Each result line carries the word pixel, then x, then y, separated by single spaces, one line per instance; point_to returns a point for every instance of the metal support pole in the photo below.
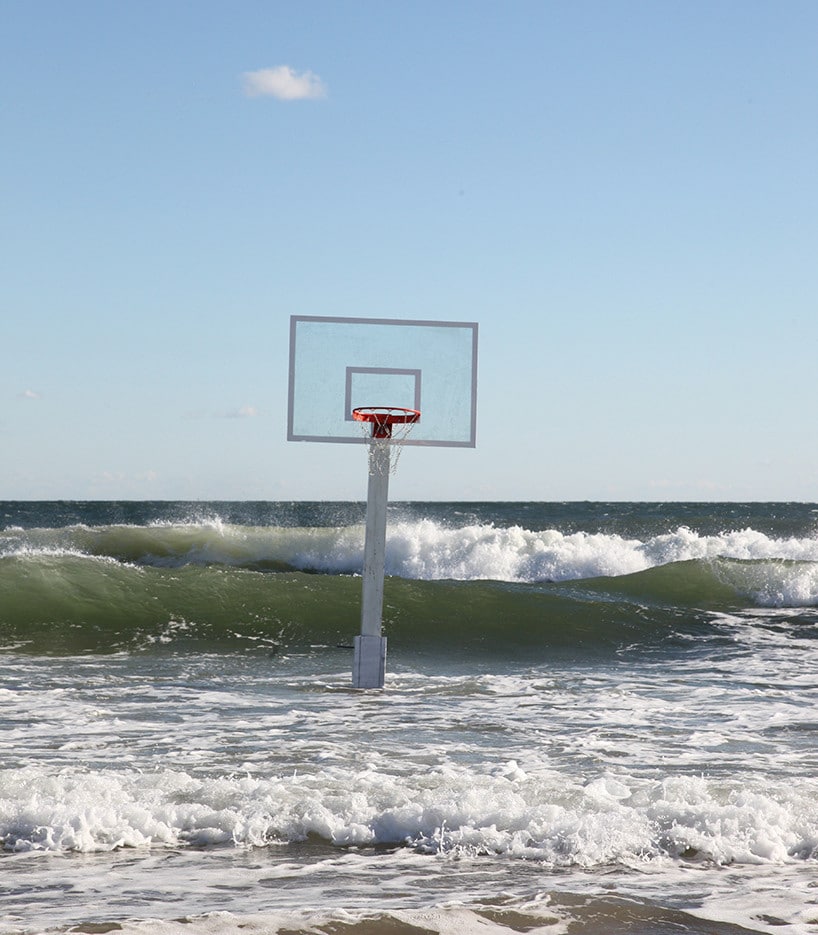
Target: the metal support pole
pixel 370 646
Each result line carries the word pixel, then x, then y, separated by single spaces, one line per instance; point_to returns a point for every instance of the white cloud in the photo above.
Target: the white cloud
pixel 243 412
pixel 283 83
pixel 29 394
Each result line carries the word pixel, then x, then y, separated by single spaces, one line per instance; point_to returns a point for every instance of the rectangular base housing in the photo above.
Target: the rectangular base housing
pixel 369 662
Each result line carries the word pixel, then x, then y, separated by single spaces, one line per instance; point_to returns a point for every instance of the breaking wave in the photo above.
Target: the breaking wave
pixel 79 588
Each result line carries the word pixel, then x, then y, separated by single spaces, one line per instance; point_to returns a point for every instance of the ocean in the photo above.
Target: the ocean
pixel 597 718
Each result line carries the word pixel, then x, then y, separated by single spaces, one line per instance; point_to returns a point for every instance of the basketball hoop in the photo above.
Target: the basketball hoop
pixel 386 428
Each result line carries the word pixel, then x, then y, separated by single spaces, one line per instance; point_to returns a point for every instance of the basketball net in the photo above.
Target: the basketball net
pixel 385 447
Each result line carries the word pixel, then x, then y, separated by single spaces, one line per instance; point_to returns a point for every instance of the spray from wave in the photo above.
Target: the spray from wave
pixel 79 588
pixel 420 550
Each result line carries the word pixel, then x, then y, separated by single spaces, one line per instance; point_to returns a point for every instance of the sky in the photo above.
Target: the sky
pixel 622 194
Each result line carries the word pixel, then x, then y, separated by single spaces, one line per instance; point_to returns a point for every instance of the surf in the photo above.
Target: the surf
pixel 417 548
pixel 64 602
pixel 450 810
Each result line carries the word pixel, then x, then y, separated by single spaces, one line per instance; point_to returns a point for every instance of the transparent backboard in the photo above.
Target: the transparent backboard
pixel 339 364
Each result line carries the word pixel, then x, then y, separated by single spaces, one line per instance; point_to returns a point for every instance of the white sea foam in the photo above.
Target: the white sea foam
pixel 448 920
pixel 447 810
pixel 770 572
pixel 427 550
pixel 773 583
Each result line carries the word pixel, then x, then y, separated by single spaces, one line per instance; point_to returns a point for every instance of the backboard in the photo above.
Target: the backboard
pixel 338 364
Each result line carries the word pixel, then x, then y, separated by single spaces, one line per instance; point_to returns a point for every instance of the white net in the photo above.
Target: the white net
pixel 385 437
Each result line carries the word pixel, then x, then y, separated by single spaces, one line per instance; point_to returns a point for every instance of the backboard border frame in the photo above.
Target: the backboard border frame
pixel 471 442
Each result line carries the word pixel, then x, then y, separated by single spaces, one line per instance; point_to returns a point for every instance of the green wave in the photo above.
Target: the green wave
pixel 77 603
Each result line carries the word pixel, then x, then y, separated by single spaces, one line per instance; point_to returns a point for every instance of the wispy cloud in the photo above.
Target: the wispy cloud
pixel 29 394
pixel 283 83
pixel 243 412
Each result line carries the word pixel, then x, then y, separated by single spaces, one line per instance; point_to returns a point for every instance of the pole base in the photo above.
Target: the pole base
pixel 369 662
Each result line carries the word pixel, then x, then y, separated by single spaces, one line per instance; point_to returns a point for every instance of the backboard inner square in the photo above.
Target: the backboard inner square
pixel 400 387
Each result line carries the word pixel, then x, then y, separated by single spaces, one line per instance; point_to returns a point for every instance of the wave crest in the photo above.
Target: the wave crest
pixel 420 550
pixel 447 810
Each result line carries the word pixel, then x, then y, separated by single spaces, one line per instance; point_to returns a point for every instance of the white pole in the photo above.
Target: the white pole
pixel 370 646
pixel 375 544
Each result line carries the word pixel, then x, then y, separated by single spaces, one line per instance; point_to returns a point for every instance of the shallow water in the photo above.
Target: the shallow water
pixel 641 758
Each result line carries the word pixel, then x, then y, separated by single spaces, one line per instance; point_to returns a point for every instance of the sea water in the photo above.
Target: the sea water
pixel 597 718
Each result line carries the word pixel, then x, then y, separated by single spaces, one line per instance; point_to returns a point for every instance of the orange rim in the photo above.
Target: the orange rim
pixel 384 417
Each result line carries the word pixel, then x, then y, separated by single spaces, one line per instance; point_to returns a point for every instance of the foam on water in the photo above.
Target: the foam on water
pixel 450 810
pixel 427 550
pixel 658 776
pixel 421 549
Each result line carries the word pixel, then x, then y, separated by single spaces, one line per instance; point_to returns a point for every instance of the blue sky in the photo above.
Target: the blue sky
pixel 622 194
